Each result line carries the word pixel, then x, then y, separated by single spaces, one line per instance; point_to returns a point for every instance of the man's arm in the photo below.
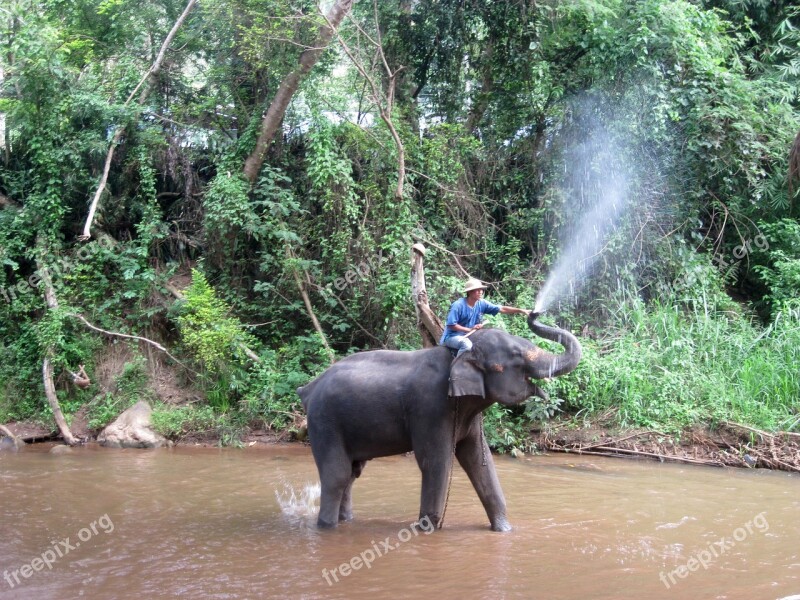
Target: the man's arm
pixel 452 320
pixel 510 310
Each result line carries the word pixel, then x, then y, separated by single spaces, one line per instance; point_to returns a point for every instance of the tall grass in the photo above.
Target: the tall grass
pixel 673 364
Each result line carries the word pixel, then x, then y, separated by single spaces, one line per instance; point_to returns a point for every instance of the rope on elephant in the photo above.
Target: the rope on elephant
pixel 483 442
pixel 452 460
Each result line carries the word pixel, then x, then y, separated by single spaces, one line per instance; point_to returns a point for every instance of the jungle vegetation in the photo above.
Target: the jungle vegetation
pixel 256 174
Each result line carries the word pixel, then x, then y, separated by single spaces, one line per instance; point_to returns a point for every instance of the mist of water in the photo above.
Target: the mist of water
pixel 299 504
pixel 598 189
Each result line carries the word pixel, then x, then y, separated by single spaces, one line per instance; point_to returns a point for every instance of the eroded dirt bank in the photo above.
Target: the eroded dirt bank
pixel 729 445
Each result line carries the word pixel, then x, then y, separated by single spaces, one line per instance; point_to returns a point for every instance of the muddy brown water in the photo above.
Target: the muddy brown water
pixel 208 523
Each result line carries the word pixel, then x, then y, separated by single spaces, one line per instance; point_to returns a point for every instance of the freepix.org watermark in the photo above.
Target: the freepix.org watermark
pixel 57 268
pixel 368 556
pixel 58 551
pixel 723 262
pixel 716 549
pixel 369 267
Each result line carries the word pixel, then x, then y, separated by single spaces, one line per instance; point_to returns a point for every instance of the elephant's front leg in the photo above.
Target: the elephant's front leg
pixel 471 452
pixel 435 462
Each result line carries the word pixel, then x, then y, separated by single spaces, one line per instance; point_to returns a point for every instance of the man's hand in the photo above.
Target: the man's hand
pixel 478 326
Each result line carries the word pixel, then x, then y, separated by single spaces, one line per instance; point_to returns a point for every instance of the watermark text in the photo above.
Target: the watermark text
pixel 706 557
pixel 58 551
pixel 368 556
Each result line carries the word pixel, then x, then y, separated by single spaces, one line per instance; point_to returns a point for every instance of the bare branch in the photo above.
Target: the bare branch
pixel 147 81
pixel 307 301
pixel 322 290
pixel 385 112
pixel 131 337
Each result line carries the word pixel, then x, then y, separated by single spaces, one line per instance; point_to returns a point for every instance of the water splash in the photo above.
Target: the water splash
pixel 300 504
pixel 600 191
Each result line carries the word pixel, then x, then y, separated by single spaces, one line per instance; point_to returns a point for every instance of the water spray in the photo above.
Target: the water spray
pixel 601 185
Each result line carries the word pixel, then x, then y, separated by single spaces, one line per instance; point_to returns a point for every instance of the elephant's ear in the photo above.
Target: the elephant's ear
pixel 466 378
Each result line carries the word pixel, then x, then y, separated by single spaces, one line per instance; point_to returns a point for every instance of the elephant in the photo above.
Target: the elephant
pixel 386 402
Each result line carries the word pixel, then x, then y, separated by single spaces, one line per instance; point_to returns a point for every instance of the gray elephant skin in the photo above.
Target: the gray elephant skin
pixel 384 402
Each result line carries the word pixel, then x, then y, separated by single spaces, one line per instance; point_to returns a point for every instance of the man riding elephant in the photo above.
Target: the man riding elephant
pixel 466 316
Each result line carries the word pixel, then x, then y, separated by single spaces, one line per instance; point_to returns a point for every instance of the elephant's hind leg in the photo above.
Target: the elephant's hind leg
pixel 335 472
pixel 346 507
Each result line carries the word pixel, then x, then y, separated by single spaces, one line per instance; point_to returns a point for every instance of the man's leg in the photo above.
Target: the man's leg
pixel 460 343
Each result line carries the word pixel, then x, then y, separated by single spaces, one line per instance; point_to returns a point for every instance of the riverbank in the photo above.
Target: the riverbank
pixel 729 445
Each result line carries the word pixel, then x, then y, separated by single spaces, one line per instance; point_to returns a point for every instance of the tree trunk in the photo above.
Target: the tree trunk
pixel 429 326
pixel 277 109
pixel 487 86
pixel 18 441
pixel 47 366
pixel 52 399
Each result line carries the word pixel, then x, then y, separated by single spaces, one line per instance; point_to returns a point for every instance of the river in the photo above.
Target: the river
pixel 239 523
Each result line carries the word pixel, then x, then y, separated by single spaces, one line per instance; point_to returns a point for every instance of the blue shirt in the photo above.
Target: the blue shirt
pixel 461 314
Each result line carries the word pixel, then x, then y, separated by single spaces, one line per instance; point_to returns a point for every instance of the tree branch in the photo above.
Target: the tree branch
pixel 385 112
pixel 324 291
pixel 307 301
pixel 7 432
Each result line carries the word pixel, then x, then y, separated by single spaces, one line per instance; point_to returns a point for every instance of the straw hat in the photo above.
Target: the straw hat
pixel 473 284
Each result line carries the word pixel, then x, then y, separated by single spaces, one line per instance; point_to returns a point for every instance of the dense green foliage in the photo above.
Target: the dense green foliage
pixel 514 118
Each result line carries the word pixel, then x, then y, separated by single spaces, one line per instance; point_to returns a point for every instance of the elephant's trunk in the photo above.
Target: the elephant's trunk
pixel 562 363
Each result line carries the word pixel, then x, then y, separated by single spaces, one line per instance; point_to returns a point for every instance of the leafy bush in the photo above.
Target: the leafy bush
pixel 506 429
pixel 780 262
pixel 271 397
pixel 206 329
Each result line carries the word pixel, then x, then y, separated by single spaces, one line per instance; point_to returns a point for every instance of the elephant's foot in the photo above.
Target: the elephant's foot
pixel 501 524
pixel 430 522
pixel 322 524
pixel 345 516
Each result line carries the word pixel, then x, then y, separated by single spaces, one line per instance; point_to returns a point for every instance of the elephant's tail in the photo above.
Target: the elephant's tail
pixel 306 392
pixel 303 399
